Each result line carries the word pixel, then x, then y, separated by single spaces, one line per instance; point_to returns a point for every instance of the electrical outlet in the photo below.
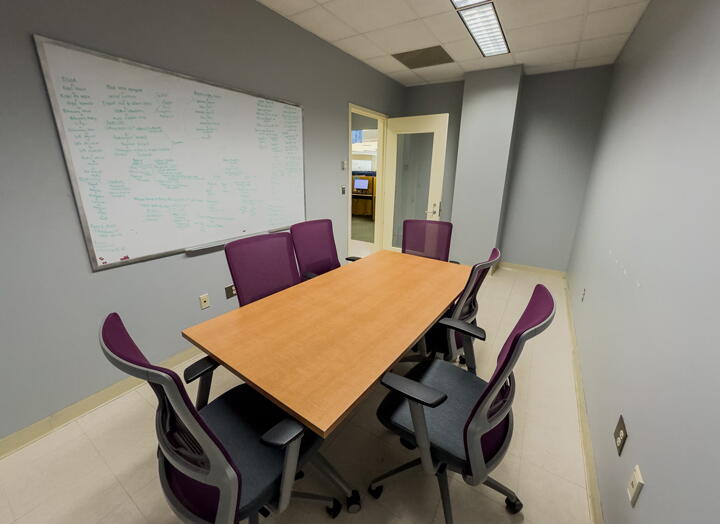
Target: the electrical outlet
pixel 620 435
pixel 204 301
pixel 635 486
pixel 230 291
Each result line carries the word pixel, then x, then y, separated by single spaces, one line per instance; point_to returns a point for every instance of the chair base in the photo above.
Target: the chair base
pixel 352 496
pixel 512 503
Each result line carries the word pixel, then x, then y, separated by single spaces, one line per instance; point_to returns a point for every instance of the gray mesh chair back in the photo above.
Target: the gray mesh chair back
pixel 262 265
pixel 427 238
pixel 466 307
pixel 197 475
pixel 489 426
pixel 315 247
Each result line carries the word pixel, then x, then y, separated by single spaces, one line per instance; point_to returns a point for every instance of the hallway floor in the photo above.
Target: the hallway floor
pixel 101 468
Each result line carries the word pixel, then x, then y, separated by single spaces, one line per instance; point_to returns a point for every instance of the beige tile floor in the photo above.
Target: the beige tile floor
pixel 102 466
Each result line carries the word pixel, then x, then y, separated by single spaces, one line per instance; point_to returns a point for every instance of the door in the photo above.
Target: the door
pixel 414 169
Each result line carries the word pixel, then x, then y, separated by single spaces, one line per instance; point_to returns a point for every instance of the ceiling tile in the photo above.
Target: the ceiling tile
pixel 288 7
pixel 368 15
pixel 407 78
pixel 440 73
pixel 360 47
pixel 548 55
pixel 386 64
pixel 609 46
pixel 491 62
pixel 521 13
pixel 323 23
pixel 465 49
pixel 403 37
pixel 598 5
pixel 613 21
pixel 564 31
pixel 425 8
pixel 594 62
pixel 447 27
pixel 551 68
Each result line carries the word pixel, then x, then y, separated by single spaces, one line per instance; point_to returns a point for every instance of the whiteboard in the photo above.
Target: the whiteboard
pixel 160 162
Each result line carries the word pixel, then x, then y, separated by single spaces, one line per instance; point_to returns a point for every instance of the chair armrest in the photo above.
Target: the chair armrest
pixel 352 259
pixel 197 369
pixel 308 275
pixel 453 261
pixel 283 433
pixel 463 327
pixel 413 390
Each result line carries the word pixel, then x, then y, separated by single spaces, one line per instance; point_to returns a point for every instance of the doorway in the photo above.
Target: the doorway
pixel 397 167
pixel 367 142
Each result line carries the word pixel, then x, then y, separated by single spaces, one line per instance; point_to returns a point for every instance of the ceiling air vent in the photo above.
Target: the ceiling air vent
pixel 429 56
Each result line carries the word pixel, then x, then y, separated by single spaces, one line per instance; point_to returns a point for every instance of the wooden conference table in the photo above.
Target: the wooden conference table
pixel 316 348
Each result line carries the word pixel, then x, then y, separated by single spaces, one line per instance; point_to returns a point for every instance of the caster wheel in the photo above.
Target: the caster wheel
pixel 353 502
pixel 376 491
pixel 299 475
pixel 462 360
pixel 335 509
pixel 513 506
pixel 264 512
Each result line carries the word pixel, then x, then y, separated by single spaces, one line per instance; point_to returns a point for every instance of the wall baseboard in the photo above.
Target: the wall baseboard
pixel 39 429
pixel 554 272
pixel 592 487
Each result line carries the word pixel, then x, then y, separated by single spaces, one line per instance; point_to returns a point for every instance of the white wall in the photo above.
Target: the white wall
pixel 559 117
pixel 486 131
pixel 52 304
pixel 646 252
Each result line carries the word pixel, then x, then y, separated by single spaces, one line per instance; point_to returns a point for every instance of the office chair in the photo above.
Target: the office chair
pixel 441 340
pixel 427 238
pixel 262 265
pixel 457 420
pixel 314 247
pixel 227 461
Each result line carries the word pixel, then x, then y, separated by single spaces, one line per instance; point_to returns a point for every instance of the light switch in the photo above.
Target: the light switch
pixel 635 486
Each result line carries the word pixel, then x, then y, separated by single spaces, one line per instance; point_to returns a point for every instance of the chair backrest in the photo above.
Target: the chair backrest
pixel 427 238
pixel 490 422
pixel 198 476
pixel 315 246
pixel 466 306
pixel 262 265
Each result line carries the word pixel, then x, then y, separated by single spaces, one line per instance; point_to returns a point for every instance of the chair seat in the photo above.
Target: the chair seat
pixel 239 418
pixel 446 423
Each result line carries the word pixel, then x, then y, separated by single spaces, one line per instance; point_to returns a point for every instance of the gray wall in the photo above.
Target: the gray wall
pixel 486 132
pixel 646 252
pixel 559 117
pixel 52 304
pixel 441 98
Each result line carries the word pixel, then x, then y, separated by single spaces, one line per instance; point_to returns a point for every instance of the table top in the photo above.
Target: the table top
pixel 316 348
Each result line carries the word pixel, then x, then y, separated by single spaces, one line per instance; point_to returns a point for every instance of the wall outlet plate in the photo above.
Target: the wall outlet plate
pixel 204 301
pixel 230 291
pixel 635 485
pixel 620 435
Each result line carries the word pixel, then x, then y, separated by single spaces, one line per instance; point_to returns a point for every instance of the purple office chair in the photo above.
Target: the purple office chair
pixel 262 265
pixel 314 247
pixel 229 460
pixel 427 238
pixel 457 420
pixel 439 340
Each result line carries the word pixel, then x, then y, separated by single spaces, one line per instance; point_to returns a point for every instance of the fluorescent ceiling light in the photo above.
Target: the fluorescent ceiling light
pixel 484 26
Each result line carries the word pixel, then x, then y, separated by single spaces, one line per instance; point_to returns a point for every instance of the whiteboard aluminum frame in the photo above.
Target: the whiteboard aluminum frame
pixel 40 42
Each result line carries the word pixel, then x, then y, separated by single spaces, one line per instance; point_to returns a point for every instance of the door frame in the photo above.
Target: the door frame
pixel 379 175
pixel 436 124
